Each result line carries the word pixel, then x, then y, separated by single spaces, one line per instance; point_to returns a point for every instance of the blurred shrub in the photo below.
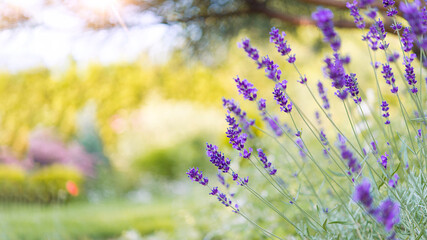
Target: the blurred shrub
pixel 170 162
pixel 45 185
pixel 12 180
pixel 49 184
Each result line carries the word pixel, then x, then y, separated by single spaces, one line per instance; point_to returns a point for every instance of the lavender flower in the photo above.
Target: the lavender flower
pixel 376 33
pixel 354 11
pixel 409 72
pixel 252 52
pixel 346 154
pixel 279 41
pixel 374 147
pixel 393 181
pixel 273 123
pixel 362 194
pixel 281 99
pixel 393 57
pixel 217 158
pixel 291 58
pixel 388 214
pixel 246 89
pixel 388 3
pixel 246 153
pixel 396 26
pixel 234 133
pixel 335 71
pixel 392 12
pixel 351 84
pixel 407 39
pixel 365 3
pixel 372 13
pixel 197 176
pixel 301 148
pixel 267 164
pixel 271 69
pixel 386 114
pixel 231 106
pixel 389 78
pixel 221 179
pixel 303 80
pixel 262 105
pixel 322 93
pixel 413 16
pixel 383 160
pixel 323 138
pixel 323 18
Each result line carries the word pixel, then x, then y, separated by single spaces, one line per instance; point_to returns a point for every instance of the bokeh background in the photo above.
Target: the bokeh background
pixel 105 104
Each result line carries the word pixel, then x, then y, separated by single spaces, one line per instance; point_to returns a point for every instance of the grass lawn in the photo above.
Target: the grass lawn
pixel 81 220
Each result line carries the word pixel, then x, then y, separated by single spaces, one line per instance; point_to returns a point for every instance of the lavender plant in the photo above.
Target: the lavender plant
pixel 370 173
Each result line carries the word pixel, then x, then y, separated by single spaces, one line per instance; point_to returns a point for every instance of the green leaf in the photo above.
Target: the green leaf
pixel 324 224
pixel 340 222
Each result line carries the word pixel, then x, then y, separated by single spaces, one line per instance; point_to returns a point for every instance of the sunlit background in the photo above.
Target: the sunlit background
pixel 106 103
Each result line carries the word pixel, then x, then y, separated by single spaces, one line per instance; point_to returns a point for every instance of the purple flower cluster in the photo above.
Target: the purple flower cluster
pixel 392 11
pixel 217 158
pixel 386 114
pixel 393 57
pixel 279 41
pixel 322 93
pixel 231 106
pixel 407 39
pixel 389 78
pixel 354 11
pixel 413 16
pixel 301 148
pixel 267 164
pixel 365 3
pixel 362 194
pixel 252 52
pixel 246 89
pixel 383 160
pixel 271 69
pixel 282 99
pixel 197 176
pixel 409 72
pixel 376 33
pixel 374 147
pixel 346 154
pixel 223 199
pixel 234 133
pixel 372 13
pixel 273 123
pixel 388 3
pixel 323 18
pixel 352 86
pixel 393 181
pixel 335 71
pixel 387 213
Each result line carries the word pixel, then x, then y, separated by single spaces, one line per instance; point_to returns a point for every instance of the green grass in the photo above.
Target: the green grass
pixel 83 220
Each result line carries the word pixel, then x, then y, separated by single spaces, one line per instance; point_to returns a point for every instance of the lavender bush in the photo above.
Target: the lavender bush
pixel 364 179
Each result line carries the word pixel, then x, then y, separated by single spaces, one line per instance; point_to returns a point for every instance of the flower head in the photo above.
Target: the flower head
pixel 197 176
pixel 388 214
pixel 354 11
pixel 323 18
pixel 362 193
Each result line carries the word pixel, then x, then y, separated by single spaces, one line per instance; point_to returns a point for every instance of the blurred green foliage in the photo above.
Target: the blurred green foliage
pixel 40 98
pixel 45 185
pixel 172 162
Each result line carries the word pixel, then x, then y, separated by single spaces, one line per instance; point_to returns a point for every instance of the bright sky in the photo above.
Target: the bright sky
pixel 57 34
